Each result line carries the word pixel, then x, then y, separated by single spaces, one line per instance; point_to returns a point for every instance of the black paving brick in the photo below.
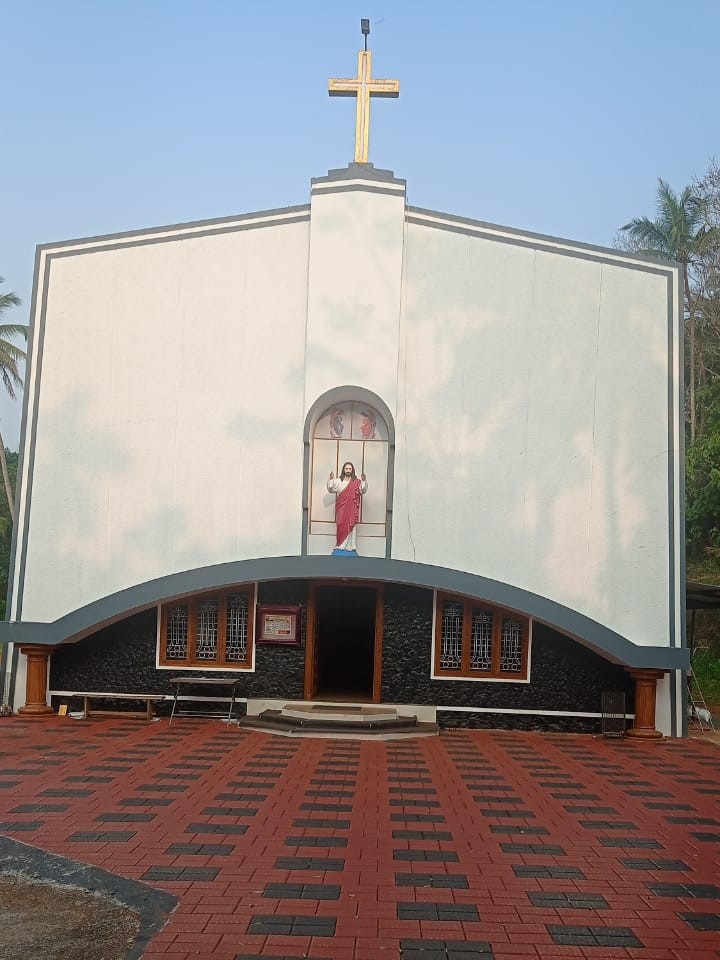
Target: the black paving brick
pixel 572 809
pixel 410 802
pixel 444 912
pixel 482 799
pixel 548 873
pixel 276 924
pixel 555 784
pixel 302 891
pixel 330 824
pixel 340 794
pixel 113 817
pixel 417 818
pixel 705 891
pixel 608 825
pixel 88 779
pixel 161 788
pixel 546 849
pixel 434 856
pixel 636 842
pixel 227 829
pixel 694 821
pixel 581 936
pixel 452 881
pixel 20 826
pixel 413 790
pixel 328 807
pixel 57 792
pixel 229 812
pixel 574 796
pixel 102 836
pixel 569 901
pixel 316 842
pixel 516 828
pixel 707 837
pixel 648 864
pixel 40 808
pixel 239 797
pixel 445 950
pixel 181 873
pixel 648 793
pixel 702 921
pixel 201 849
pixel 422 835
pixel 145 802
pixel 509 814
pixel 309 863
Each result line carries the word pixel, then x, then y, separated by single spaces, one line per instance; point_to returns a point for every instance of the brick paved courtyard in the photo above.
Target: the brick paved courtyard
pixel 474 845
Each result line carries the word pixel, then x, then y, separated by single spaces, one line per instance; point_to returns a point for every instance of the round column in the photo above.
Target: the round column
pixel 645 697
pixel 36 679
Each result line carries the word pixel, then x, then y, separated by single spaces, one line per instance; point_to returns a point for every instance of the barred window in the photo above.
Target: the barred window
pixel 210 631
pixel 477 640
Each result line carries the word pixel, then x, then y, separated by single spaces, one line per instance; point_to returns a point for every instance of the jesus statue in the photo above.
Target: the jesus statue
pixel 347 506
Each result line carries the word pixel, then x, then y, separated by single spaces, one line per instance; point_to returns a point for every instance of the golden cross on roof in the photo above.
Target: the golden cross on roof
pixel 363 87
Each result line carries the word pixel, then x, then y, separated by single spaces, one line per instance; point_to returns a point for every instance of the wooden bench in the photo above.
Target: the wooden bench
pixel 149 698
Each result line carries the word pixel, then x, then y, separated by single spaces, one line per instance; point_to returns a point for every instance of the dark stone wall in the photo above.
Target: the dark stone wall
pixel 121 658
pixel 564 674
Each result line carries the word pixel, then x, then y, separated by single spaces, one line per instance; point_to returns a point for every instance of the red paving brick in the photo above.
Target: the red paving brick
pixel 525 813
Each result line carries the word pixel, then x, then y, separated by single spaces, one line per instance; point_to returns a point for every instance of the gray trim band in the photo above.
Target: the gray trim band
pixel 191 225
pixel 101 612
pixel 415 213
pixel 354 187
pixel 547 245
pixel 175 237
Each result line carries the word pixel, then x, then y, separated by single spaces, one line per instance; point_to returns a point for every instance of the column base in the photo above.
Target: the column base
pixel 35 710
pixel 638 733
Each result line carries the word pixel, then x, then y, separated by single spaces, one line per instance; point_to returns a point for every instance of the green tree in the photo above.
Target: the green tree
pixel 11 357
pixel 681 233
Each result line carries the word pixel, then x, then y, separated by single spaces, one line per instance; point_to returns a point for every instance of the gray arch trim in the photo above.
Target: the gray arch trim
pixel 347 394
pixel 589 632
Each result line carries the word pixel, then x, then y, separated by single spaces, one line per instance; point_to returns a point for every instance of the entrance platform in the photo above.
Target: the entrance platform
pixel 485 845
pixel 340 720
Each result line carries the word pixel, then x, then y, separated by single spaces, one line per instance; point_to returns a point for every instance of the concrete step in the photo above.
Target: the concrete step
pixel 339 720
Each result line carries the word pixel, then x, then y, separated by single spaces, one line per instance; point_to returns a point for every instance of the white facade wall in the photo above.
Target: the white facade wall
pixel 533 426
pixel 169 414
pixel 529 383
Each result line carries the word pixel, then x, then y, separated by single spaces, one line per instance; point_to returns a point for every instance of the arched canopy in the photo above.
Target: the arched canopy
pixel 589 632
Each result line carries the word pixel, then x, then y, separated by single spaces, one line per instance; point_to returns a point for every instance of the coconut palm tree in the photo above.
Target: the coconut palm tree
pixel 11 356
pixel 678 233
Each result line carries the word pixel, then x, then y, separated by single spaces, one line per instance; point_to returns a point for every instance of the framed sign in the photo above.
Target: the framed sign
pixel 278 624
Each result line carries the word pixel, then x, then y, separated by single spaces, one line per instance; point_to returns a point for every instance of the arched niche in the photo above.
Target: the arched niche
pixel 348 423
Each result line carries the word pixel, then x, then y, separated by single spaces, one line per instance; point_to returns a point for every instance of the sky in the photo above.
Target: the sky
pixel 555 117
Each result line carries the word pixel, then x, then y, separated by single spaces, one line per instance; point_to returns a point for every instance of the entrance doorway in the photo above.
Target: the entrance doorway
pixel 342 648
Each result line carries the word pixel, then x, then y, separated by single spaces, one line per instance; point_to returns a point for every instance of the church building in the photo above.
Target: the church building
pixel 507 544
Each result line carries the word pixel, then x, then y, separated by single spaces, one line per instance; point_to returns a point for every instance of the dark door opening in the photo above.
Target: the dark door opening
pixel 344 642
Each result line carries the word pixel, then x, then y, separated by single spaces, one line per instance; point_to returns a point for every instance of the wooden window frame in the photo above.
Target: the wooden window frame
pixel 499 613
pixel 192 602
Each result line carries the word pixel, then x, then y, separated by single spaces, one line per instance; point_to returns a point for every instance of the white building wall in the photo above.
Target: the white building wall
pixel 170 414
pixel 533 425
pixel 529 389
pixel 354 290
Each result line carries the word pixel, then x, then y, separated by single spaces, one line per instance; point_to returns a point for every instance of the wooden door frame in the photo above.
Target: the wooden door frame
pixel 311 630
